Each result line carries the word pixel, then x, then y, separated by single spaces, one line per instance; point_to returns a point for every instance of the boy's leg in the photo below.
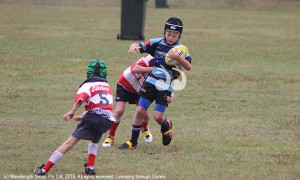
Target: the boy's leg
pixel 99 125
pixel 145 129
pixel 140 114
pixel 145 119
pixel 160 118
pixel 147 96
pixel 119 111
pixel 166 126
pixel 57 155
pixel 92 155
pixel 137 124
pixel 68 144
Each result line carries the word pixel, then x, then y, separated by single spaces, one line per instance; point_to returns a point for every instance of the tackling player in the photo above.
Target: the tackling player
pixel 128 86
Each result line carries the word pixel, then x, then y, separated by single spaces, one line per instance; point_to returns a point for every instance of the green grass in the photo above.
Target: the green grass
pixel 237 118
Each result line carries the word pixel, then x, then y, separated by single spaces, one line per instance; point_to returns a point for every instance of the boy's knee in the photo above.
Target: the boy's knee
pixel 68 144
pixel 159 117
pixel 140 110
pixel 118 113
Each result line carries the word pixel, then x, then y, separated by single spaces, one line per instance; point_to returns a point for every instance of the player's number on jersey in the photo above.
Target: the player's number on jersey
pixel 103 99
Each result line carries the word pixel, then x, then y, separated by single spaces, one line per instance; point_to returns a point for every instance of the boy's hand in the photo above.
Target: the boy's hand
pixel 134 48
pixel 77 118
pixel 68 115
pixel 173 53
pixel 170 98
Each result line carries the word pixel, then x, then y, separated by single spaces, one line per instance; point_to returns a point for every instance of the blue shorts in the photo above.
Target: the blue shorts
pixel 149 93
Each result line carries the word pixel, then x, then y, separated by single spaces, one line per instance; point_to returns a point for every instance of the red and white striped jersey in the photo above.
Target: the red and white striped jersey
pixel 134 81
pixel 96 95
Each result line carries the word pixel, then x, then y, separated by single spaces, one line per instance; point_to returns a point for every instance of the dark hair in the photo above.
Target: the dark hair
pixel 174 24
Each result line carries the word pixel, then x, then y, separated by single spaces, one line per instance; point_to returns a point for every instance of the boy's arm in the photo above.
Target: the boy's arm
pixel 134 48
pixel 141 69
pixel 69 115
pixel 148 46
pixel 77 118
pixel 182 61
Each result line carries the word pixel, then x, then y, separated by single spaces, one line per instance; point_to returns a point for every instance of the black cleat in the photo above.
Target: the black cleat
pixel 127 145
pixel 89 171
pixel 167 136
pixel 40 171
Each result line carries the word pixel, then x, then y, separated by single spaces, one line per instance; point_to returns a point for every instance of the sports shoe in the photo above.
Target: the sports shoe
pixel 109 141
pixel 40 171
pixel 147 135
pixel 167 136
pixel 89 171
pixel 127 145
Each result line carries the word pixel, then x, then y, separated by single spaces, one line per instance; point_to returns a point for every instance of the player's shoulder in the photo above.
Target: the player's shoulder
pixel 94 81
pixel 147 58
pixel 145 61
pixel 156 40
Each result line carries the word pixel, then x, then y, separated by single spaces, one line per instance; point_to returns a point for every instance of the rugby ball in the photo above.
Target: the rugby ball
pixel 182 51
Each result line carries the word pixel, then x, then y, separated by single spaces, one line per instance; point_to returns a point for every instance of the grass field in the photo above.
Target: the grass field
pixel 237 118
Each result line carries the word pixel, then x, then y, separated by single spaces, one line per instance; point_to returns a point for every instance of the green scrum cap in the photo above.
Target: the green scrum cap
pixel 96 67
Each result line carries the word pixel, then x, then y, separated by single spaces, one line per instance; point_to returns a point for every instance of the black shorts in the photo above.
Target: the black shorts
pixel 124 95
pixel 91 127
pixel 150 92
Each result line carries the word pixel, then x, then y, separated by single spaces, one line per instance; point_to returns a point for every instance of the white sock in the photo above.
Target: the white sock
pixel 93 148
pixel 118 120
pixel 56 156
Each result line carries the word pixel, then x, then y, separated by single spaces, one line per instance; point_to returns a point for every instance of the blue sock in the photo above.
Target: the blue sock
pixel 135 134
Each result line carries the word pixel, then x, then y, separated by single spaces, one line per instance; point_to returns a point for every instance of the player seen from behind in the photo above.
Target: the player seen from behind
pixel 96 96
